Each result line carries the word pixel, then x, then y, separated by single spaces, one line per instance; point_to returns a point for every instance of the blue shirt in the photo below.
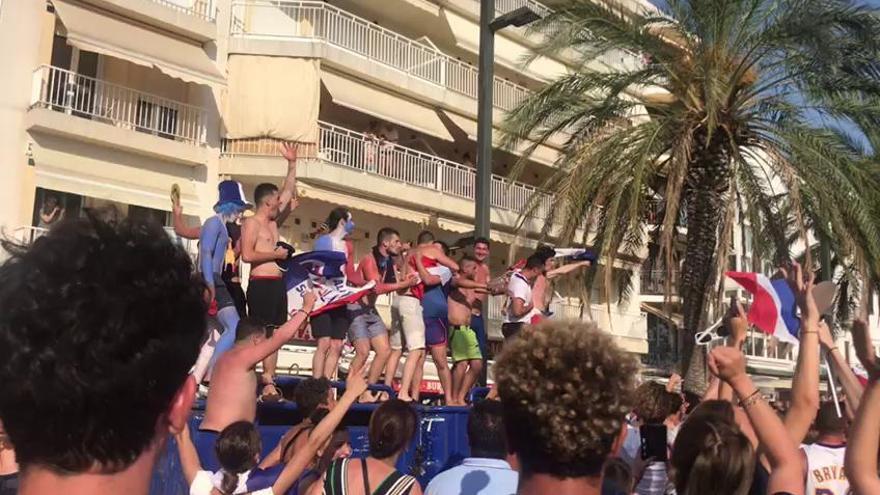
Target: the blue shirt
pixel 434 303
pixel 476 476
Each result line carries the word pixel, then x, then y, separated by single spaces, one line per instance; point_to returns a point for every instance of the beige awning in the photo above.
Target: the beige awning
pixel 371 100
pixel 468 127
pixel 109 34
pixel 310 191
pixel 277 97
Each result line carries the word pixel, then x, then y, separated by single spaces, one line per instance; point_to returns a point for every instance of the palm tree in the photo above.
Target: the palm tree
pixel 734 102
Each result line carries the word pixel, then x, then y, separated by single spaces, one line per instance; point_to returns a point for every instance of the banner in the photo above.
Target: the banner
pixel 325 272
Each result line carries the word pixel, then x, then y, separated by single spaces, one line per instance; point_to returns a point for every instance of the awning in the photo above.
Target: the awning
pixel 467 127
pixel 109 34
pixel 261 101
pixel 674 318
pixel 371 100
pixel 308 191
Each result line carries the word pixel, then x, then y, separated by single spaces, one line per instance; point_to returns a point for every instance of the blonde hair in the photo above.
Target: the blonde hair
pixel 566 388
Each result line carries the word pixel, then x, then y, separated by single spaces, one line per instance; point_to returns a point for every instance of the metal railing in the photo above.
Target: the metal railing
pixel 75 94
pixel 27 234
pixel 203 9
pixel 312 19
pixel 359 151
pixel 761 345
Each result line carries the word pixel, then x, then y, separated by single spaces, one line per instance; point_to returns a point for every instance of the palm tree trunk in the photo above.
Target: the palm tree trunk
pixel 707 181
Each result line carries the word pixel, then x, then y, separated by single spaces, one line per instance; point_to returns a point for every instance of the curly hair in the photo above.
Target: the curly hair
pixel 653 403
pixel 566 388
pixel 100 324
pixel 310 394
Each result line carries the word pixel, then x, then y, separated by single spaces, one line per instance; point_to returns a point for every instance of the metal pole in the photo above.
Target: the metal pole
pixel 484 120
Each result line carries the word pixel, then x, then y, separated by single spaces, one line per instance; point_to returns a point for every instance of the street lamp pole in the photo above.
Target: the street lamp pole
pixel 489 24
pixel 484 119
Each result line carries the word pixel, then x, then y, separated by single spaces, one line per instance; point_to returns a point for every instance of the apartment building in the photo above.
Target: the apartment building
pixel 113 101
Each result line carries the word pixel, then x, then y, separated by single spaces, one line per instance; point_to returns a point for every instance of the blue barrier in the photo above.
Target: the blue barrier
pixel 440 442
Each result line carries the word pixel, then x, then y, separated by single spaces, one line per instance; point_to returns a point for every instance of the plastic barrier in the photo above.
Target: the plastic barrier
pixel 440 442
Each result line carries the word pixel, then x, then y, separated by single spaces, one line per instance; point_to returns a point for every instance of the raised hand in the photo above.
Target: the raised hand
pixel 802 286
pixel 865 348
pixel 289 151
pixel 356 382
pixel 739 324
pixel 825 337
pixel 727 363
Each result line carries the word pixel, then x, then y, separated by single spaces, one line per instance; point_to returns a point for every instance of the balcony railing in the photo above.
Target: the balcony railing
pixel 761 345
pixel 310 19
pixel 86 97
pixel 352 149
pixel 203 9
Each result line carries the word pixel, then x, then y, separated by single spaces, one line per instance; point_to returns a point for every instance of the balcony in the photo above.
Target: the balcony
pixel 192 19
pixel 118 116
pixel 366 154
pixel 312 20
pixel 203 9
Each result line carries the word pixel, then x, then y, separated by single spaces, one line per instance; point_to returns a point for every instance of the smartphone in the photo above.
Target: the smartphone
pixel 724 330
pixel 654 442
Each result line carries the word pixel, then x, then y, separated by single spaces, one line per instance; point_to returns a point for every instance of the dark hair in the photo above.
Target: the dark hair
pixel 248 327
pixel 827 420
pixel 237 448
pixel 262 191
pixel 565 387
pixel 717 408
pixel 425 237
pixel 544 252
pixel 336 214
pixel 482 240
pixel 711 455
pixel 309 394
pixel 617 477
pixel 106 319
pixel 653 403
pixel 535 262
pixel 392 426
pixel 384 234
pixel 485 429
pixel 339 438
pixel 467 257
pixel 443 246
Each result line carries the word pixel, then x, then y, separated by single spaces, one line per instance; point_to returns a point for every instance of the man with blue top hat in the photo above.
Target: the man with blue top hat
pixel 213 243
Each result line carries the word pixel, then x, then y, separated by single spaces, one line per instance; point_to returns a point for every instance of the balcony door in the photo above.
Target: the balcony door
pixel 72 89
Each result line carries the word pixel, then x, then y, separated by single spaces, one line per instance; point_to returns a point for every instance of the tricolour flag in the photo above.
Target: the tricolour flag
pixel 773 305
pixel 324 271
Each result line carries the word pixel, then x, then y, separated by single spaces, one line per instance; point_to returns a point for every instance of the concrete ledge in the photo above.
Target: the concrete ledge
pixel 86 130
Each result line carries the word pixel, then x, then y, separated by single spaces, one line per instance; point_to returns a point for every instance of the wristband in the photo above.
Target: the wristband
pixel 751 399
pixel 295 311
pixel 833 349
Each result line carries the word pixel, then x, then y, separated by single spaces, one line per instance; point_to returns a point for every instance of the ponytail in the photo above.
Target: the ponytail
pixel 229 483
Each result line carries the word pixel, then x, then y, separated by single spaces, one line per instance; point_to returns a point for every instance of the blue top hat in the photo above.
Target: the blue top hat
pixel 232 192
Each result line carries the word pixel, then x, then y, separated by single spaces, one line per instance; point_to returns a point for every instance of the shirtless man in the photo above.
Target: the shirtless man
pixel 367 328
pixel 407 316
pixel 467 357
pixel 266 295
pixel 481 255
pixel 231 397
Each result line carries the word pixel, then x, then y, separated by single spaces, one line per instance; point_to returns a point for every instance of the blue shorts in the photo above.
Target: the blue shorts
pixel 365 324
pixel 436 331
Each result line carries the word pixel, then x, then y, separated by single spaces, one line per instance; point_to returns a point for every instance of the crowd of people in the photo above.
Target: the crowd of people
pixel 105 336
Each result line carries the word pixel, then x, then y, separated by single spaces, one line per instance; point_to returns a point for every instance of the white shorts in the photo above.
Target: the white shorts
pixel 406 319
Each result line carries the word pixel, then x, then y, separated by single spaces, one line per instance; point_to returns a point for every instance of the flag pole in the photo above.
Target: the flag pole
pixel 831 385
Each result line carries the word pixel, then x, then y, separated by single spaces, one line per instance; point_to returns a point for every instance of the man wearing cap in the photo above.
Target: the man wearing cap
pixel 213 242
pixel 266 295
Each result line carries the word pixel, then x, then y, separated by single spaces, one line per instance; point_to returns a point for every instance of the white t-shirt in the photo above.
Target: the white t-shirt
pixel 206 481
pixel 518 288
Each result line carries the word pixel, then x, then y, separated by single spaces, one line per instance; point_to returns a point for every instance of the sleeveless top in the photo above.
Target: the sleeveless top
pixel 396 483
pixel 825 473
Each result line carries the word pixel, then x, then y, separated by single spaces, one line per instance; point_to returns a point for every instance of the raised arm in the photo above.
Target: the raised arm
pixel 738 325
pixel 447 261
pixel 787 470
pixel 851 387
pixel 189 457
pixel 287 196
pixel 180 226
pixel 254 354
pixel 864 438
pixel 249 253
pixel 355 385
pixel 566 269
pixel 805 384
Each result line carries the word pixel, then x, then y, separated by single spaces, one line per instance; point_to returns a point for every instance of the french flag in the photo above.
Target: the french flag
pixel 773 308
pixel 324 271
